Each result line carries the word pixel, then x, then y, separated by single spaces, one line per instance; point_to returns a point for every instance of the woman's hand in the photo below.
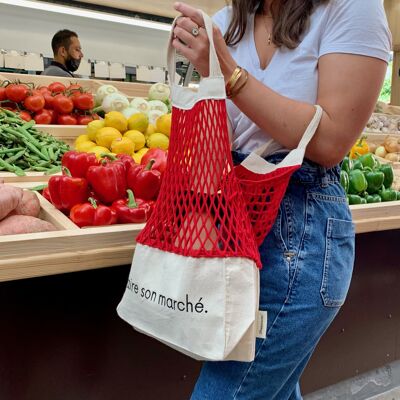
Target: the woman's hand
pixel 196 47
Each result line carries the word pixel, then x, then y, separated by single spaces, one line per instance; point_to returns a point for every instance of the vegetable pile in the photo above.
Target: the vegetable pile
pixel 365 180
pixel 24 148
pixel 111 190
pixel 19 212
pixel 388 149
pixel 53 104
pixel 133 136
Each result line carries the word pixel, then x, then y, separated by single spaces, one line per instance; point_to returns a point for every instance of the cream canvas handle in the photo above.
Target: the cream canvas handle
pixel 262 151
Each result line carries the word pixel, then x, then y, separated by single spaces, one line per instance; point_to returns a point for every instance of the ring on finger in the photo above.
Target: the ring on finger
pixel 195 31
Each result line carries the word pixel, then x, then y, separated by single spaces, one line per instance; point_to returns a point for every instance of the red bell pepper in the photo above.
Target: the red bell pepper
pixel 78 162
pixel 66 191
pixel 144 181
pixel 91 214
pixel 108 180
pixel 46 194
pixel 160 157
pixel 127 160
pixel 131 210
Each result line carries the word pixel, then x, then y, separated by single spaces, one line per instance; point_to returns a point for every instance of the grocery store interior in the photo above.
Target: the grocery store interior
pixel 64 265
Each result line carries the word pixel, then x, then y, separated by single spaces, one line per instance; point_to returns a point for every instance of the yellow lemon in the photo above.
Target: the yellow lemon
pixel 136 137
pixel 117 120
pixel 105 136
pixel 82 138
pixel 137 157
pixel 163 124
pixel 98 150
pixel 143 151
pixel 150 130
pixel 93 127
pixel 138 122
pixel 158 140
pixel 85 146
pixel 123 145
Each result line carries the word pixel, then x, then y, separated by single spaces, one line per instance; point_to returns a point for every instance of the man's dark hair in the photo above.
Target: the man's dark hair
pixel 62 39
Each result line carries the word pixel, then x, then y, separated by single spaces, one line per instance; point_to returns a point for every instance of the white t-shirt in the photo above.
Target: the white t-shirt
pixel 341 26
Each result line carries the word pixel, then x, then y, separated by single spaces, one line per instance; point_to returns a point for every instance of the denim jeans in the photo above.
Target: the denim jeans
pixel 307 266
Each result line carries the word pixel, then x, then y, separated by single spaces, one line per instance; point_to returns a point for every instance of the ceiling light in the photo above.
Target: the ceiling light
pixel 79 12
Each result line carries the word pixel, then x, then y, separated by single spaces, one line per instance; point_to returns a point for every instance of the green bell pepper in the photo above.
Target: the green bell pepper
pixel 354 199
pixel 368 160
pixel 344 180
pixel 374 179
pixel 347 164
pixel 388 195
pixel 398 195
pixel 373 198
pixel 363 200
pixel 357 182
pixel 389 176
pixel 357 164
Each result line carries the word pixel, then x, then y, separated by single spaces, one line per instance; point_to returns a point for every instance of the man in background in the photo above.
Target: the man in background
pixel 67 54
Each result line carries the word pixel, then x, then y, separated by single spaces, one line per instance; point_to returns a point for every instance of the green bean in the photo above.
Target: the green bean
pixel 45 152
pixel 53 170
pixel 39 188
pixel 39 168
pixel 36 151
pixel 15 157
pixel 51 154
pixel 6 166
pixel 18 171
pixel 8 151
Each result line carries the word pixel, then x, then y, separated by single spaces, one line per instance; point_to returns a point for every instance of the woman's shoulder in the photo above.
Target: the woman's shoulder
pixel 222 18
pixel 354 8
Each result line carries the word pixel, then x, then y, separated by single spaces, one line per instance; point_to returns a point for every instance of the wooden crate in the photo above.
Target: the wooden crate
pixel 66 250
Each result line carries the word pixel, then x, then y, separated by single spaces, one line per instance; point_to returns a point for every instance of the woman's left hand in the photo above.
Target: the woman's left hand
pixel 191 41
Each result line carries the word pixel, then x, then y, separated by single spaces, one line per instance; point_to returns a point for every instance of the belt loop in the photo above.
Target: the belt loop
pixel 324 177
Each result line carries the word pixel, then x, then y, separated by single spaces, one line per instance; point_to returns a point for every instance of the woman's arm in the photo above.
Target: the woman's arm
pixel 348 88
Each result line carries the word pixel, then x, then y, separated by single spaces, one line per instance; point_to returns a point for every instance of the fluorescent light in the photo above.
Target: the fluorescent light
pixel 79 12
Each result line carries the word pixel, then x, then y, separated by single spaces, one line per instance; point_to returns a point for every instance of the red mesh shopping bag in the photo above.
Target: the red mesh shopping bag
pixel 264 184
pixel 194 281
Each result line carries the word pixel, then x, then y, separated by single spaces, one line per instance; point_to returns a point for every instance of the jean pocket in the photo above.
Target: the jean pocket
pixel 338 262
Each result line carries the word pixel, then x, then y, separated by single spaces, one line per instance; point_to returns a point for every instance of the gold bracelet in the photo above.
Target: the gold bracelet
pixel 243 84
pixel 237 73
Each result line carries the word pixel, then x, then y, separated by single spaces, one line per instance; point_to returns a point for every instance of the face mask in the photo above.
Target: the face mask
pixel 72 64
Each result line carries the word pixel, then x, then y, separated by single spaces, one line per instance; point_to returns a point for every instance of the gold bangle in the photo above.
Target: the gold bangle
pixel 232 80
pixel 241 86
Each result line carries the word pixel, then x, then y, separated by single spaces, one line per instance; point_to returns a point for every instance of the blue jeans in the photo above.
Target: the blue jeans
pixel 307 266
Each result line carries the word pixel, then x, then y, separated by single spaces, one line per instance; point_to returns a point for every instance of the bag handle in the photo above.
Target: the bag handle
pixel 214 67
pixel 307 136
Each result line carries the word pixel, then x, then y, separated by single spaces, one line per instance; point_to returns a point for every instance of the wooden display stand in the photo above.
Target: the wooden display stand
pixel 130 89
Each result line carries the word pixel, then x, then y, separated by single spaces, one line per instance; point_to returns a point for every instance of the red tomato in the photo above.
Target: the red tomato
pixel 85 119
pixel 44 89
pixel 49 99
pixel 67 120
pixel 63 104
pixel 42 117
pixel 83 101
pixel 3 95
pixel 57 87
pixel 16 92
pixel 34 103
pixel 25 116
pixel 53 115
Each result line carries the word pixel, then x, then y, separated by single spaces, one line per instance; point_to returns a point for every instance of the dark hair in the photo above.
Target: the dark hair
pixel 291 19
pixel 62 39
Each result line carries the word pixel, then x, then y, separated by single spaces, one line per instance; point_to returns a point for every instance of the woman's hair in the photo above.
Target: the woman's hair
pixel 291 19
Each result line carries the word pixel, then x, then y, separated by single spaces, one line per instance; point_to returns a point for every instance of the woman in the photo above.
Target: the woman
pixel 293 54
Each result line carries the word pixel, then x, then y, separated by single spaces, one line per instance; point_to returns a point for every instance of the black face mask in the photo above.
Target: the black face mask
pixel 72 64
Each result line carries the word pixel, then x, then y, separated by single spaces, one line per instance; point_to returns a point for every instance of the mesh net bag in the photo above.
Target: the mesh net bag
pixel 200 210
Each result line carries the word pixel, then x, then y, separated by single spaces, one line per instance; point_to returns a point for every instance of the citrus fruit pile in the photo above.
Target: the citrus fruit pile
pixel 120 135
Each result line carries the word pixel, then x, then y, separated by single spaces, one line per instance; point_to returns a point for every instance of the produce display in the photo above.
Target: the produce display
pixel 383 123
pixel 24 148
pixel 366 180
pixel 109 190
pixel 388 149
pixel 19 212
pixel 52 104
pixel 133 136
